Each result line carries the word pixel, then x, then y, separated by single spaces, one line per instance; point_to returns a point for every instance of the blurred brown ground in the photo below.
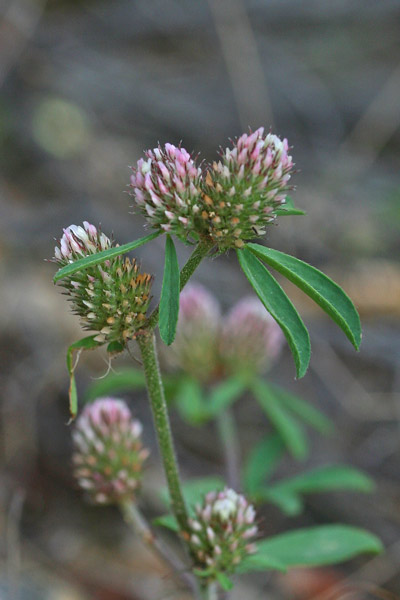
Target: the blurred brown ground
pixel 86 86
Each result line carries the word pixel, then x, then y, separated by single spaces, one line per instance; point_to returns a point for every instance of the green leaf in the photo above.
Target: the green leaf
pixel 167 521
pixel 115 348
pixel 329 478
pixel 224 394
pixel 87 343
pixel 197 409
pixel 260 561
pixel 204 572
pixel 224 581
pixel 262 462
pixel 125 380
pixel 288 209
pixel 316 546
pixel 169 302
pixel 99 257
pixel 189 401
pixel 172 383
pixel 325 292
pixel 290 431
pixel 303 409
pixel 289 212
pixel 279 306
pixel 289 503
pixel 287 494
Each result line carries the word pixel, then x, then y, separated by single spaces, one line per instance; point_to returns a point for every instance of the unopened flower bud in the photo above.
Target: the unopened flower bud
pixel 195 347
pixel 250 338
pixel 245 187
pixel 108 453
pixel 225 526
pixel 166 188
pixel 111 298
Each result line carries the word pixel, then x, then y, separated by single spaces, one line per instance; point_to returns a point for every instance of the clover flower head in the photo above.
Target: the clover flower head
pixel 195 346
pixel 198 307
pixel 108 453
pixel 111 298
pixel 245 187
pixel 222 531
pixel 78 242
pixel 250 338
pixel 166 188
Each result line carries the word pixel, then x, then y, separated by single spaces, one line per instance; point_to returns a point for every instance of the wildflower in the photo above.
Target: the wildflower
pixel 195 347
pixel 209 346
pixel 108 454
pixel 222 531
pixel 111 298
pixel 166 188
pixel 250 338
pixel 78 242
pixel 245 187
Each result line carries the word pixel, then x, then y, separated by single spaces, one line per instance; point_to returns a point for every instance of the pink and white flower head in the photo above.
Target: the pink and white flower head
pixel 166 188
pixel 195 347
pixel 244 188
pixel 111 298
pixel 222 532
pixel 250 338
pixel 78 242
pixel 108 453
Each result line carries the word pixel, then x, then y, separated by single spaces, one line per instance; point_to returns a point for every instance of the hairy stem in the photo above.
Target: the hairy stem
pixel 229 439
pixel 155 390
pixel 140 526
pixel 201 250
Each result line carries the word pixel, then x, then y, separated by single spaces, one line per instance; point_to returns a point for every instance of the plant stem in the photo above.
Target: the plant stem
pixel 155 390
pixel 140 526
pixel 212 591
pixel 201 250
pixel 228 435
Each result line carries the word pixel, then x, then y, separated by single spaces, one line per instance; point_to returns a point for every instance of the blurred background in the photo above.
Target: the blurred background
pixel 85 87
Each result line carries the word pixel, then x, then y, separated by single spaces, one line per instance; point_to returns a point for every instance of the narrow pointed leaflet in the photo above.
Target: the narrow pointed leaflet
pixel 279 306
pixel 100 257
pixel 288 209
pixel 302 409
pixel 289 494
pixel 320 288
pixel 312 547
pixel 290 430
pixel 87 343
pixel 169 302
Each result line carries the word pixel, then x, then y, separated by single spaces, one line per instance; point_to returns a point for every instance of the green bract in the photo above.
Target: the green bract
pixel 169 302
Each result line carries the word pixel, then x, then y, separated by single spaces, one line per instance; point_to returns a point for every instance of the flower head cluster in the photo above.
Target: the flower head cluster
pixel 222 532
pixel 195 347
pixel 245 187
pixel 166 188
pixel 250 337
pixel 230 203
pixel 208 345
pixel 111 298
pixel 108 454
